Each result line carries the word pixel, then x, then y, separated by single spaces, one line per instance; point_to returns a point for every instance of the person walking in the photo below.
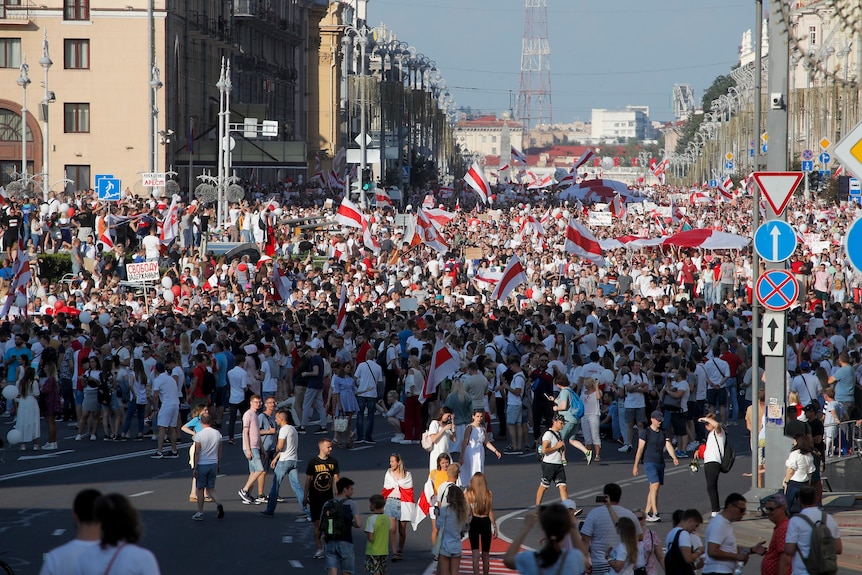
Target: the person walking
pixel 369 376
pixel 413 382
pixel 87 532
pixel 722 552
pixel 49 394
pixel 398 491
pixel 652 444
pixel 651 546
pixel 27 420
pixel 238 380
pixel 712 453
pixel 377 529
pixel 251 450
pixel 321 475
pixel 515 388
pixel 799 468
pixel 166 408
pixel 339 551
pixel 591 397
pixel 344 404
pixel 438 477
pixel 797 543
pixel 483 524
pixel 138 401
pixel 208 447
pixel 563 405
pixel 627 556
pixel 599 532
pixel 285 463
pixel 441 430
pixel 557 524
pixel 476 440
pixel 775 561
pixel 451 522
pixel 192 427
pixel 553 456
pixel 313 400
pixel 684 554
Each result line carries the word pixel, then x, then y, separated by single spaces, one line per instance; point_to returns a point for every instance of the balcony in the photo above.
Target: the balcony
pixel 15 12
pixel 254 9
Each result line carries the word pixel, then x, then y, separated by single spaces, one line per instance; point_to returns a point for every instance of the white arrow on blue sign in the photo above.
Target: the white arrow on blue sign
pixel 825 158
pixel 775 241
pixel 807 166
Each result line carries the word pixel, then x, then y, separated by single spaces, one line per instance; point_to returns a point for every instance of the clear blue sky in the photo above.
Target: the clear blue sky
pixel 604 53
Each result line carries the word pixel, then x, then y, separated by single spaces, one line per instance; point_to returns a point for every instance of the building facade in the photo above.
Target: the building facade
pixel 620 125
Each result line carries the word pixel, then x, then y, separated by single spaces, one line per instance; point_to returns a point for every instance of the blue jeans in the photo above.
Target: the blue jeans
pixel 732 399
pixel 134 409
pixel 365 430
pixel 286 467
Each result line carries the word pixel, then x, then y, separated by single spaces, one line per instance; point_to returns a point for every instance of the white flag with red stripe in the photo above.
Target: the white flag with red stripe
pixel 531 225
pixel 281 283
pixel 543 182
pixel 518 156
pixel 423 506
pixel 349 215
pixel 581 242
pixel 513 276
pixel 171 225
pixel 582 160
pixel 475 178
pixel 444 362
pixel 21 276
pixel 341 316
pixel 368 240
pixel 439 217
pixel 618 206
pixel 336 253
pixel 335 181
pixel 381 198
pixel 428 201
pixel 106 241
pixel 428 233
pixel 211 283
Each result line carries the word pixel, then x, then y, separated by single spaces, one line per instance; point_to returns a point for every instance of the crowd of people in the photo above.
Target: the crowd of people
pixel 648 348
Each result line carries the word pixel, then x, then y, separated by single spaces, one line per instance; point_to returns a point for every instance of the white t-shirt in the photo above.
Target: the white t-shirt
pixel 207 440
pixel 799 532
pixel 167 388
pixel 553 439
pixel 151 245
pixel 635 399
pixel 128 560
pixel 288 434
pixel 58 560
pixel 518 381
pixel 720 531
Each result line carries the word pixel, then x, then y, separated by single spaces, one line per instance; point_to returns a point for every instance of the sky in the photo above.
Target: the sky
pixel 604 53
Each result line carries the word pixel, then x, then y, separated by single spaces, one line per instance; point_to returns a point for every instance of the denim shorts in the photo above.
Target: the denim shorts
pixel 255 464
pixel 340 555
pixel 392 508
pixel 513 414
pixel 206 476
pixel 654 472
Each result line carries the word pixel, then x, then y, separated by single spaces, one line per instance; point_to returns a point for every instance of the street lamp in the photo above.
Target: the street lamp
pixel 224 86
pixel 155 84
pixel 46 63
pixel 24 81
pixel 362 38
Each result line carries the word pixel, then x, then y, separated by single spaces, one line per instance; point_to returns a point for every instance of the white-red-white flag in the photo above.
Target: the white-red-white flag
pixel 513 276
pixel 368 240
pixel 349 214
pixel 335 181
pixel 439 217
pixel 171 224
pixel 106 241
pixel 444 362
pixel 530 225
pixel 280 282
pixel 341 315
pixel 581 242
pixel 618 206
pixel 543 182
pixel 582 160
pixel 423 506
pixel 518 156
pixel 428 200
pixel 381 198
pixel 428 233
pixel 21 276
pixel 475 178
pixel 211 283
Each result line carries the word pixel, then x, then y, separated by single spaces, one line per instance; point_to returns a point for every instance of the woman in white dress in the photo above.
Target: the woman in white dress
pixel 27 421
pixel 476 439
pixel 441 431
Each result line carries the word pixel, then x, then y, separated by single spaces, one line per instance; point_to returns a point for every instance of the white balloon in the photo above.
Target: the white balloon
pixel 803 228
pixel 43 209
pixel 85 317
pixel 168 295
pixel 13 437
pixel 10 392
pixel 538 295
pixel 278 212
pixel 166 282
pixel 64 208
pixel 52 299
pixel 104 318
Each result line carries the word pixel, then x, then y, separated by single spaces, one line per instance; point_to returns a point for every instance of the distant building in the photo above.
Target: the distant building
pixel 489 135
pixel 620 125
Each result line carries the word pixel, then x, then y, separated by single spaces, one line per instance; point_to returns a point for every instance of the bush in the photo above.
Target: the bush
pixel 54 266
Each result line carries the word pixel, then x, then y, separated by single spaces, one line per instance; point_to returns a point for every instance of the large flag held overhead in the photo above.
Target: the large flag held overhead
pixel 582 160
pixel 106 242
pixel 439 217
pixel 348 214
pixel 513 276
pixel 381 198
pixel 171 225
pixel 581 242
pixel 341 316
pixel 428 232
pixel 443 364
pixel 475 178
pixel 518 156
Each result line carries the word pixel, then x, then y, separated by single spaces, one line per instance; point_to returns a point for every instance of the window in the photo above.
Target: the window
pixel 10 127
pixel 812 35
pixel 10 52
pixel 80 176
pixel 76 118
pixel 76 54
pixel 76 9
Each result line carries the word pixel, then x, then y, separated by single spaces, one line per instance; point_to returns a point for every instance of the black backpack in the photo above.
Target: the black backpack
pixel 674 562
pixel 335 520
pixel 208 385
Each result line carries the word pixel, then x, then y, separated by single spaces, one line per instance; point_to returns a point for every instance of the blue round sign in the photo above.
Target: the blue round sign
pixel 776 290
pixel 853 244
pixel 825 158
pixel 775 241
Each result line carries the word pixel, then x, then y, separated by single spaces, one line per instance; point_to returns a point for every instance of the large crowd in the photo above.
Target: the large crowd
pixel 647 341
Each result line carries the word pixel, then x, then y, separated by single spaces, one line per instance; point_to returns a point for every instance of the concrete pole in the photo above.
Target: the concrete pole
pixel 755 259
pixel 24 81
pixel 46 64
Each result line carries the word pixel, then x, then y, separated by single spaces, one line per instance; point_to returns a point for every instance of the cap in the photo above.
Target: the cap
pixel 661 325
pixel 657 415
pixel 804 366
pixel 559 417
pixel 777 498
pixel 813 406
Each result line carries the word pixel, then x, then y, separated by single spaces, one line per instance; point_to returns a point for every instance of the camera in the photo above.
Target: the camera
pixel 776 101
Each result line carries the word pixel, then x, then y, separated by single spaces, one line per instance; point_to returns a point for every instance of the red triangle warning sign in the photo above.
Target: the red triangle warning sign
pixel 778 187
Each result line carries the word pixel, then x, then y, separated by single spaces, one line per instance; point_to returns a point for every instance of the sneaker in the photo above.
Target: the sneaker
pixel 321 431
pixel 172 455
pixel 301 519
pixel 318 554
pixel 79 437
pixel 198 516
pixel 139 438
pixel 220 511
pixel 301 430
pixel 73 424
pixel 106 438
pixel 280 499
pixel 626 448
pixel 398 438
pixel 511 451
pixel 681 454
pixel 370 442
pixel 266 514
pixel 589 456
pixel 246 498
pixel 260 499
pixel 653 518
pixel 49 446
pixel 359 441
pixel 157 455
pixel 93 437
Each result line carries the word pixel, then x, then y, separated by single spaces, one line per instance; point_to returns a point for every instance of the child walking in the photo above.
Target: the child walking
pixel 377 528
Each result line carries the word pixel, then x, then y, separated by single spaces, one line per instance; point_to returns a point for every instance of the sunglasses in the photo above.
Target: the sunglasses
pixel 770 509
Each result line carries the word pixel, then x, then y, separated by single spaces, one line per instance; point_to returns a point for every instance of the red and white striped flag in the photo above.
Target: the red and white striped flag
pixel 21 276
pixel 513 276
pixel 381 198
pixel 335 181
pixel 531 225
pixel 837 173
pixel 582 160
pixel 569 178
pixel 171 225
pixel 349 215
pixel 475 178
pixel 368 240
pixel 444 362
pixel 106 241
pixel 341 316
pixel 439 217
pixel 428 233
pixel 518 156
pixel 423 506
pixel 618 206
pixel 541 183
pixel 581 242
pixel 428 201
pixel 211 283
pixel 281 283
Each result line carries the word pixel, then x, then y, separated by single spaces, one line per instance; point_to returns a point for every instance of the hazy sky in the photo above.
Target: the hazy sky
pixel 604 53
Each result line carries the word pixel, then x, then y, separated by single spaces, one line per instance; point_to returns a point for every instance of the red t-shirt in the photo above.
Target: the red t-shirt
pixel 769 564
pixel 198 373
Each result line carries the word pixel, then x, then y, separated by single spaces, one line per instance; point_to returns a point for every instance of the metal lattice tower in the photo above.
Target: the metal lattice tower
pixel 683 101
pixel 534 94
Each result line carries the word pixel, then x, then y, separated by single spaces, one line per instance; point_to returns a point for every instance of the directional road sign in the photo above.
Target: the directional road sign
pixel 778 187
pixel 849 151
pixel 807 155
pixel 728 165
pixel 763 149
pixel 853 244
pixel 807 166
pixel 776 290
pixel 775 241
pixel 728 156
pixel 108 187
pixel 713 183
pixel 825 158
pixel 825 143
pixel 774 332
pixel 824 174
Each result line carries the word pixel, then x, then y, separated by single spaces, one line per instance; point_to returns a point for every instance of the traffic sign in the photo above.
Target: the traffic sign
pixel 713 183
pixel 764 136
pixel 807 155
pixel 825 143
pixel 108 187
pixel 775 241
pixel 853 244
pixel 763 149
pixel 774 334
pixel 728 156
pixel 807 166
pixel 855 187
pixel 825 158
pixel 825 173
pixel 728 165
pixel 849 151
pixel 750 152
pixel 778 187
pixel 777 290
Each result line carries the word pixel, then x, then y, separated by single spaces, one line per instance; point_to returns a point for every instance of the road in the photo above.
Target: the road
pixel 37 489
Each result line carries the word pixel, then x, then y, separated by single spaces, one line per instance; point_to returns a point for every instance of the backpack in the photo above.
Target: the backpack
pixel 208 385
pixel 104 391
pixel 728 457
pixel 334 520
pixel 539 454
pixel 427 442
pixel 576 405
pixel 822 558
pixel 498 356
pixel 818 350
pixel 674 562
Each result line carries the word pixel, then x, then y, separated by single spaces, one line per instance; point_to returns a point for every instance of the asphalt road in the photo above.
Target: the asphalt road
pixel 37 489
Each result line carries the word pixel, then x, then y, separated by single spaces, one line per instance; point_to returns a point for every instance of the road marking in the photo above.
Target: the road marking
pixel 74 465
pixel 142 493
pixel 44 456
pixel 58 532
pixel 287 539
pixel 295 563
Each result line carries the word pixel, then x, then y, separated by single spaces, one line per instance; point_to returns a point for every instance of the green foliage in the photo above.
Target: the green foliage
pixel 54 266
